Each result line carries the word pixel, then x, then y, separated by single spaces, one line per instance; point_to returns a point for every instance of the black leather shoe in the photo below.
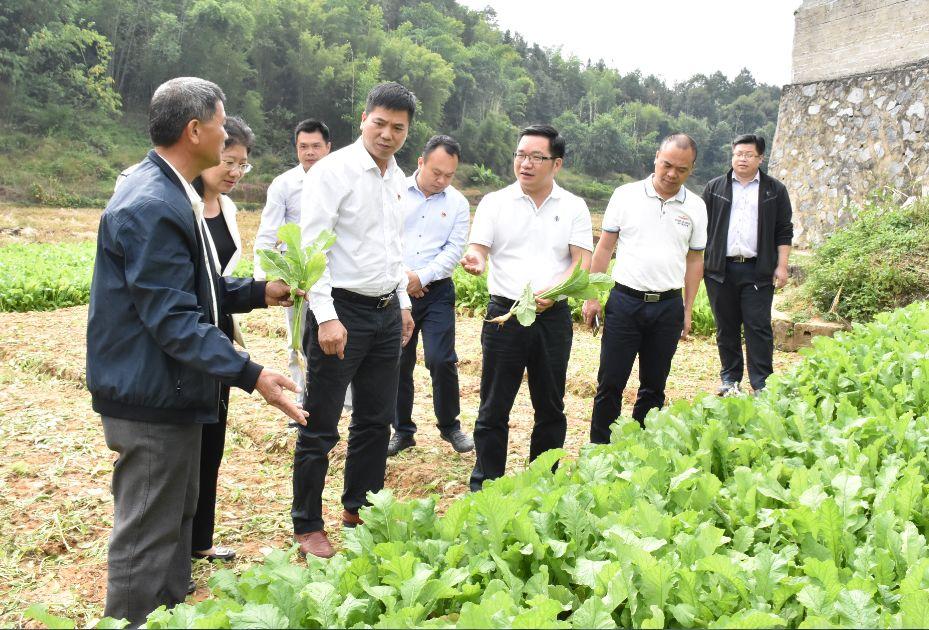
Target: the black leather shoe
pixel 399 442
pixel 220 554
pixel 191 587
pixel 461 442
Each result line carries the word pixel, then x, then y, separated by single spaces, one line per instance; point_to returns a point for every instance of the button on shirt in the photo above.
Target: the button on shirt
pixel 742 239
pixel 282 206
pixel 346 193
pixel 529 244
pixel 654 235
pixel 434 231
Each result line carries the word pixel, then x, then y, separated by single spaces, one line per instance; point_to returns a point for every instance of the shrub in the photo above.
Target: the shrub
pixel 802 507
pixel 484 177
pixel 879 262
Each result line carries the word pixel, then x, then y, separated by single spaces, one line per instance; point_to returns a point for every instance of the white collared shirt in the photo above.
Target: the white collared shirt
pixel 742 239
pixel 346 193
pixel 654 235
pixel 435 229
pixel 197 204
pixel 282 205
pixel 529 244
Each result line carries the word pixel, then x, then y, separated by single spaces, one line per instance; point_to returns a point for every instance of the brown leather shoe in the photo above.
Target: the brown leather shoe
pixel 351 520
pixel 315 543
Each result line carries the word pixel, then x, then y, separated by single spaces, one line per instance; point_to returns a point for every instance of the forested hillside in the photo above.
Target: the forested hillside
pixel 81 70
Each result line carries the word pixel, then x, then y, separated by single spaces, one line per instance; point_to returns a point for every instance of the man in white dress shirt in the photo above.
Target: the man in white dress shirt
pixel 750 234
pixel 359 316
pixel 658 229
pixel 282 205
pixel 532 231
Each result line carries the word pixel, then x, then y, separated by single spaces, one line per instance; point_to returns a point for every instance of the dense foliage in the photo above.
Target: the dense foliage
pixel 878 262
pixel 804 507
pixel 45 276
pixel 68 63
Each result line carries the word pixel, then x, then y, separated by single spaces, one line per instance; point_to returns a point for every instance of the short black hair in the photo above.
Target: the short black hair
pixel 448 143
pixel 311 125
pixel 392 96
pixel 237 132
pixel 556 141
pixel 178 101
pixel 750 138
pixel 681 141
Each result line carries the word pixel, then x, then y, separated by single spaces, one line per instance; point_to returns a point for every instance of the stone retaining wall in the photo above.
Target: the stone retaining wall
pixel 839 140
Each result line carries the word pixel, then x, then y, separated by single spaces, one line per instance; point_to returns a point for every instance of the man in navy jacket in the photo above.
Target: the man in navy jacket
pixel 155 358
pixel 748 245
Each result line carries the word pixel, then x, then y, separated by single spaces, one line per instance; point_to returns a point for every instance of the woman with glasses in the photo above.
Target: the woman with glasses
pixel 219 211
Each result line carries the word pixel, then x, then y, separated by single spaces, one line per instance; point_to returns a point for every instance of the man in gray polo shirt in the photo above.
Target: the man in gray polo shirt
pixel 660 228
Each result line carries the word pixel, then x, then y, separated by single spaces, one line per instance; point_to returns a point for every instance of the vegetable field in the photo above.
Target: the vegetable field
pixel 55 508
pixel 805 507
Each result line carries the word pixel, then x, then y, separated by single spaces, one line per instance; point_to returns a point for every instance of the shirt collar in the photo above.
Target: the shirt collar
pixel 756 178
pixel 517 191
pixel 651 192
pixel 191 192
pixel 368 163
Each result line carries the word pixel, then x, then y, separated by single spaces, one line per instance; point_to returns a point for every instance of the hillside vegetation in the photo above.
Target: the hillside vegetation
pixel 76 77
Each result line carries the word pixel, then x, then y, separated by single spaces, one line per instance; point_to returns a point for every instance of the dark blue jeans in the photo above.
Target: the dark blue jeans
pixel 742 302
pixel 434 316
pixel 509 351
pixel 633 327
pixel 371 363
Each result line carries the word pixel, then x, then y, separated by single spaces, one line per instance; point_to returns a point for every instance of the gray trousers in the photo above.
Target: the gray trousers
pixel 156 479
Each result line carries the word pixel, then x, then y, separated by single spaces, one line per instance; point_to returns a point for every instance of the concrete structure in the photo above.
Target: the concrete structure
pixel 854 120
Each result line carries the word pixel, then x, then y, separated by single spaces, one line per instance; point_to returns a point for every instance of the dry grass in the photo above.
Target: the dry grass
pixel 55 507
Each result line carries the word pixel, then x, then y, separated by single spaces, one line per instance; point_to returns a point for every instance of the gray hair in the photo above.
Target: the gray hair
pixel 178 101
pixel 681 141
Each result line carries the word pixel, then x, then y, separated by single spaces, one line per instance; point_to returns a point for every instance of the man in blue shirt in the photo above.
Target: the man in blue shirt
pixel 435 226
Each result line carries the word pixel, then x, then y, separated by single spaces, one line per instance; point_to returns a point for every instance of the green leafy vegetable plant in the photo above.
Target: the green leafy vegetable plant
pixel 579 285
pixel 300 267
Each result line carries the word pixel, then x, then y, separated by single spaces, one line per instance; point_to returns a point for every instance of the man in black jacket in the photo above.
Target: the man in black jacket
pixel 748 245
pixel 155 358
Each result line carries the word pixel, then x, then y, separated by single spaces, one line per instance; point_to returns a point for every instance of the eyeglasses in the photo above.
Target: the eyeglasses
pixel 747 156
pixel 534 159
pixel 232 165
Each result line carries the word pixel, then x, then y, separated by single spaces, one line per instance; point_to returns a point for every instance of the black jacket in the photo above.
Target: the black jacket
pixel 153 351
pixel 775 226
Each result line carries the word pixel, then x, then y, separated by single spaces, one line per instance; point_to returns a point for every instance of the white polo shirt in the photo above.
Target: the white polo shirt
pixel 529 243
pixel 654 235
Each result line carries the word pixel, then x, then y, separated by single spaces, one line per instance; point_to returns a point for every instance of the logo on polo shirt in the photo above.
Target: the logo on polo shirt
pixel 683 220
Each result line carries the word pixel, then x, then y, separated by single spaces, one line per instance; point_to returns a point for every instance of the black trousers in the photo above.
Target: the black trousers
pixel 509 351
pixel 155 481
pixel 633 327
pixel 743 302
pixel 371 365
pixel 434 316
pixel 211 455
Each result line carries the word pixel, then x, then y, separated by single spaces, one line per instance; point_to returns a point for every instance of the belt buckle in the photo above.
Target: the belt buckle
pixel 740 259
pixel 385 300
pixel 652 297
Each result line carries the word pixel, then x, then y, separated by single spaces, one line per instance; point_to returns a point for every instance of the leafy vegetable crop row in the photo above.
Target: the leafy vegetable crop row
pixel 805 507
pixel 45 276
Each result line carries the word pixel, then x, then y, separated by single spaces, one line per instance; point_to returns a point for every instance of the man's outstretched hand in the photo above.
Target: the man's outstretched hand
pixel 272 385
pixel 277 293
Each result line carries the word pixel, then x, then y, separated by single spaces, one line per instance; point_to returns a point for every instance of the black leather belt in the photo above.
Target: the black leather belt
pixel 439 282
pixel 380 301
pixel 505 302
pixel 647 296
pixel 740 259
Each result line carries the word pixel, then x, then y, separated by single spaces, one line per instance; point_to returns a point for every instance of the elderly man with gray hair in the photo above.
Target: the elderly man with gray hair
pixel 155 357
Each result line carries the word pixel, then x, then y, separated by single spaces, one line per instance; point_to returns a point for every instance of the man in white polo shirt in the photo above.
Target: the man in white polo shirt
pixel 532 231
pixel 660 227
